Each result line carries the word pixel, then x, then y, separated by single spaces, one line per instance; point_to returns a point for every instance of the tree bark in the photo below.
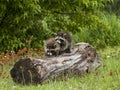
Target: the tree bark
pixel 81 60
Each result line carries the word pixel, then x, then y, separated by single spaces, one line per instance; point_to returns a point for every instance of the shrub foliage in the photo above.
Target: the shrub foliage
pixel 35 20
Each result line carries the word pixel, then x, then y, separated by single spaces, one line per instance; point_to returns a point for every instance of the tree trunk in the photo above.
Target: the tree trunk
pixel 81 60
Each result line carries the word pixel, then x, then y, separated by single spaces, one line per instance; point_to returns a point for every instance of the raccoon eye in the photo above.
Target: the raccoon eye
pixel 47 46
pixel 55 46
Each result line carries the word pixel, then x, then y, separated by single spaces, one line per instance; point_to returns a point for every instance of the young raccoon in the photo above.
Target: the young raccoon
pixel 52 48
pixel 65 41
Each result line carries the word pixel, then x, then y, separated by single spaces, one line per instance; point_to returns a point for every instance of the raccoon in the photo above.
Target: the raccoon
pixel 65 41
pixel 52 48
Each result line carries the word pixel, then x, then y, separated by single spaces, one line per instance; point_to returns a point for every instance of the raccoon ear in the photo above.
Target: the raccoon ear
pixel 44 41
pixel 64 34
pixel 55 34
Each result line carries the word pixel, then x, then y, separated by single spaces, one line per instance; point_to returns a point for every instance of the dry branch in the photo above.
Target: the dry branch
pixel 83 59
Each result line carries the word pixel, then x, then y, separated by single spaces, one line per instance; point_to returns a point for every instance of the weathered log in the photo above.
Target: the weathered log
pixel 83 59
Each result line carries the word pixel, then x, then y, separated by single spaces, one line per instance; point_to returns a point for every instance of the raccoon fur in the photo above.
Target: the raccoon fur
pixel 65 41
pixel 52 48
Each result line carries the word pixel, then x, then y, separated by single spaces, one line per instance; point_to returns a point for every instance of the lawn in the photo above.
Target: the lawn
pixel 107 77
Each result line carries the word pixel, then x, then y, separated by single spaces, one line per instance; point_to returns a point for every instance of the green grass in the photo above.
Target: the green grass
pixel 107 77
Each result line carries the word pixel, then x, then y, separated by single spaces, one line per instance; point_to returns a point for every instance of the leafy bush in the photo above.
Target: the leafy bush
pixel 15 18
pixel 35 20
pixel 106 33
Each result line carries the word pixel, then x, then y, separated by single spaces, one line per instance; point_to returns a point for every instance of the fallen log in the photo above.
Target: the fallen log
pixel 82 59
